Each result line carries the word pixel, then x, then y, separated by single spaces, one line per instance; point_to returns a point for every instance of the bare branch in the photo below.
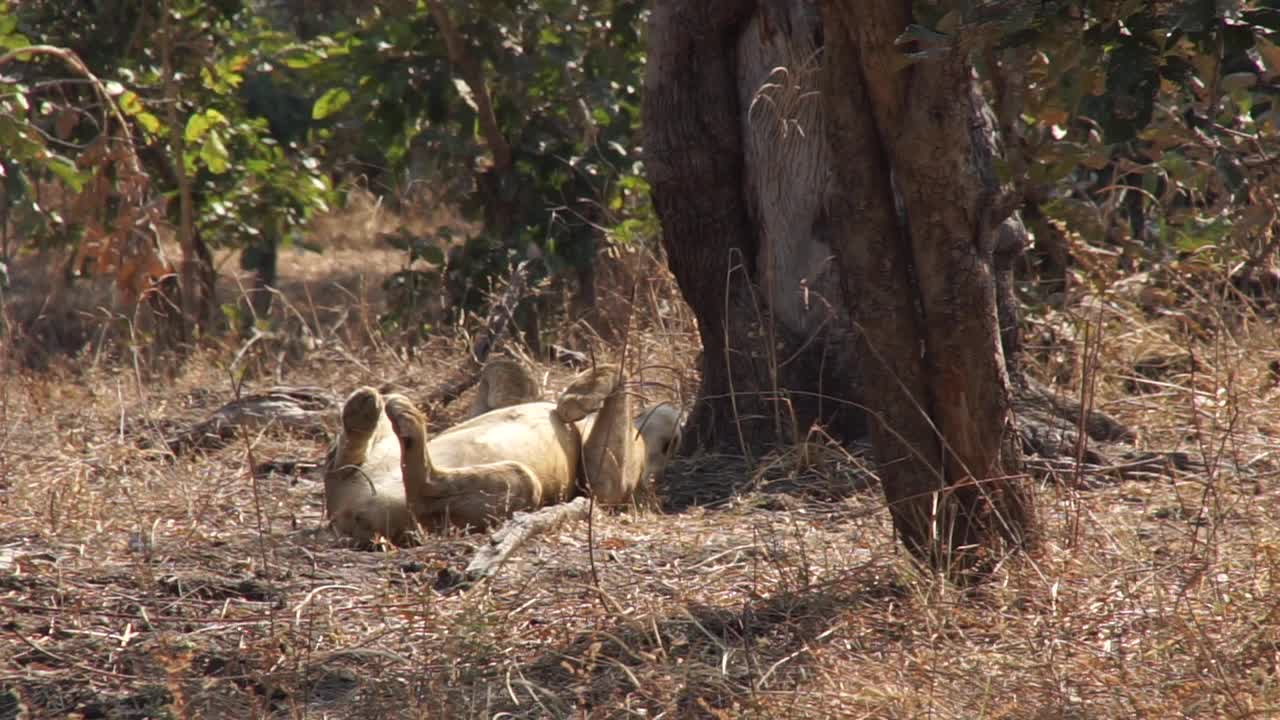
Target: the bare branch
pixel 473 76
pixel 511 537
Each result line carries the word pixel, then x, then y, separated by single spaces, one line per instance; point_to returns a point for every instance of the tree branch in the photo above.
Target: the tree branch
pixel 511 537
pixel 70 58
pixel 473 76
pixel 496 327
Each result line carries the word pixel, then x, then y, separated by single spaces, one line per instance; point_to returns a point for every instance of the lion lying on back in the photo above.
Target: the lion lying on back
pixel 387 476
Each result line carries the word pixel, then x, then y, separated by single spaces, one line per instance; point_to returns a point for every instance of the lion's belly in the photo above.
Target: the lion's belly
pixel 531 434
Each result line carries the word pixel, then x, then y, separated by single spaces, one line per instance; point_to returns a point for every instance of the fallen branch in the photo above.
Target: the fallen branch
pixel 511 537
pixel 496 328
pixel 300 408
pixel 1040 403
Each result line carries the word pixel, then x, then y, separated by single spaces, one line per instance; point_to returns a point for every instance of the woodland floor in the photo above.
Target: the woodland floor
pixel 136 585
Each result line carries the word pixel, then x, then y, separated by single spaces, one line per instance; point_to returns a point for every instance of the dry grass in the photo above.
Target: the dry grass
pixel 136 586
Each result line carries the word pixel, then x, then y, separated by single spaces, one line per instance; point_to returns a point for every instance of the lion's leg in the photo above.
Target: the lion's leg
pixel 612 458
pixel 360 416
pixel 481 496
pixel 362 495
pixel 342 480
pixel 474 496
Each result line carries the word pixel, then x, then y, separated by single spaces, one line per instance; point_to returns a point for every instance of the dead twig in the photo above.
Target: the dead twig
pixel 511 537
pixel 496 328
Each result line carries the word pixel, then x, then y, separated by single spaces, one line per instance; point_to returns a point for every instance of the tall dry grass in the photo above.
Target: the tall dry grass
pixel 133 584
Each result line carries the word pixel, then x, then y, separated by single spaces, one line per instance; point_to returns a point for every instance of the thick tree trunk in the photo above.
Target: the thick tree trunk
pixel 874 252
pixel 736 159
pixel 938 139
pixel 758 185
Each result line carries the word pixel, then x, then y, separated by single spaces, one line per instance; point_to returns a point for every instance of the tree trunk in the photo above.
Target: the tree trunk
pixel 878 271
pixel 261 258
pixel 756 189
pixel 939 139
pixel 586 308
pixel 196 267
pixel 737 162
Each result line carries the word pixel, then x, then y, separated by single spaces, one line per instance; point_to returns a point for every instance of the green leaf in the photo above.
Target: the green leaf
pixel 129 103
pixel 232 313
pixel 149 122
pixel 200 123
pixel 331 102
pixel 66 171
pixel 13 42
pixel 197 125
pixel 302 62
pixel 214 153
pixel 216 118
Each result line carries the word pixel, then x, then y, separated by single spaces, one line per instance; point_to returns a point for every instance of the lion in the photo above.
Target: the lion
pixel 504 382
pixel 388 477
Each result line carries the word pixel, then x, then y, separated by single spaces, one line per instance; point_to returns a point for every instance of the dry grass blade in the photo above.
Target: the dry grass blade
pixel 131 587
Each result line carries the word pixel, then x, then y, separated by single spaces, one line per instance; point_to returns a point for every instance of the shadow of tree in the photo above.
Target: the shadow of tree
pixel 711 480
pixel 704 662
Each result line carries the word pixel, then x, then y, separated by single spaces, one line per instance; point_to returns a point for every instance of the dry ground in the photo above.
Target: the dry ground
pixel 138 586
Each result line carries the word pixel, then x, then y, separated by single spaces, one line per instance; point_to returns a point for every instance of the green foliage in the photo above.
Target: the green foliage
pixel 250 179
pixel 257 118
pixel 1145 125
pixel 28 156
pixel 563 80
pixel 412 291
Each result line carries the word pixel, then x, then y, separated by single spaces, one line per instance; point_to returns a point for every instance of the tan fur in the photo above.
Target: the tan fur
pixel 612 452
pixel 659 428
pixel 504 382
pixel 363 489
pixel 365 493
pixel 484 469
pixel 468 497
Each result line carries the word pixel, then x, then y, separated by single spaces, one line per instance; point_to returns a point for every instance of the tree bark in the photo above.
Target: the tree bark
pixel 891 174
pixel 196 266
pixel 874 252
pixel 473 75
pixel 939 139
pixel 737 183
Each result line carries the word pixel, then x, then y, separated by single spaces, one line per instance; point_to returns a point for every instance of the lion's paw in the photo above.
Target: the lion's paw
pixel 361 412
pixel 406 419
pixel 587 393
